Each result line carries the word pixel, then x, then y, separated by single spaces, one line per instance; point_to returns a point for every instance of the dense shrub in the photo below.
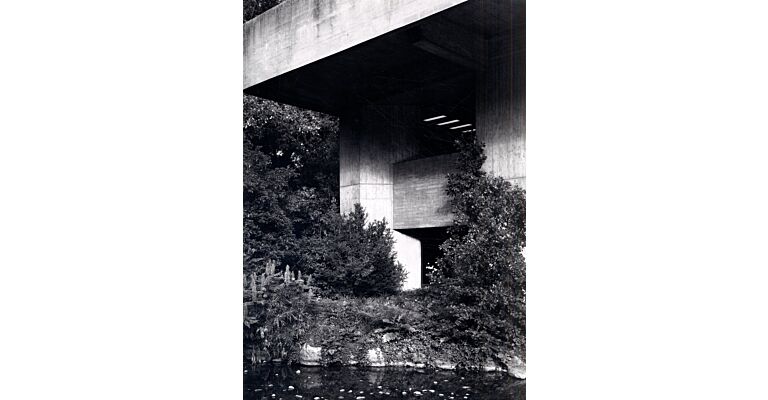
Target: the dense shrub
pixel 278 308
pixel 481 276
pixel 267 225
pixel 358 258
pixel 290 205
pixel 281 311
pixel 290 181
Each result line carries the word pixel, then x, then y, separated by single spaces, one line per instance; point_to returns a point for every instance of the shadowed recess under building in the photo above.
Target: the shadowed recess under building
pixel 404 77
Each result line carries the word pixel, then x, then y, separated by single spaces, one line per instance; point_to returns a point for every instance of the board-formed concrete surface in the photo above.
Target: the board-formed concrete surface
pixel 298 32
pixel 419 186
pixel 500 109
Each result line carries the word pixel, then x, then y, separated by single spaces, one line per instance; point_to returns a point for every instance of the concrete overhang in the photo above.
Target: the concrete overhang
pixel 335 55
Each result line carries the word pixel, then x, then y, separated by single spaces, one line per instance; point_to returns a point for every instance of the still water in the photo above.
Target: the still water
pixel 348 383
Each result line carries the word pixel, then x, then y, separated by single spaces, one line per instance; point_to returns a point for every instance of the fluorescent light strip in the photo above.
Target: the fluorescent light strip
pixel 449 122
pixel 461 126
pixel 434 118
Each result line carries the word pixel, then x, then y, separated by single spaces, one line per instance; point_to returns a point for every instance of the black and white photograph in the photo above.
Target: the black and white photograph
pixel 384 199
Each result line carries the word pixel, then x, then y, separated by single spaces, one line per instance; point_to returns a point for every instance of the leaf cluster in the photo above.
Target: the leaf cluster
pixel 252 8
pixel 290 205
pixel 359 259
pixel 481 275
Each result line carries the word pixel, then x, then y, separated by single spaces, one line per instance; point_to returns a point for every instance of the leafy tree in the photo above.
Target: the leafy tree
pixel 252 8
pixel 481 276
pixel 303 140
pixel 290 188
pixel 290 180
pixel 267 226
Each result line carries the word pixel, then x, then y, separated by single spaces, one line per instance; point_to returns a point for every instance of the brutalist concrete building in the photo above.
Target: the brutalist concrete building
pixel 404 77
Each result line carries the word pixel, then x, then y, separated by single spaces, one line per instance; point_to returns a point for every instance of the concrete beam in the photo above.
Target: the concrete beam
pixel 298 32
pixel 452 42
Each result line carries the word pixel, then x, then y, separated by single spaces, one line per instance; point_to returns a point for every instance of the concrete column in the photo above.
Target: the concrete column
pixel 371 140
pixel 500 108
pixel 408 250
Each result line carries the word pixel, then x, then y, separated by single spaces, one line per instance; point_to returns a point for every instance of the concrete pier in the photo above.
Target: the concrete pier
pixel 404 77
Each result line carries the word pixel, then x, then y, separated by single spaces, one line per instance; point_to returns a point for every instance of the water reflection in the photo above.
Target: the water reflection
pixel 282 382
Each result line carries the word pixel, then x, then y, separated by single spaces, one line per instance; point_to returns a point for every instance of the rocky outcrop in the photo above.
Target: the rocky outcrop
pixel 375 357
pixel 515 367
pixel 389 337
pixel 443 364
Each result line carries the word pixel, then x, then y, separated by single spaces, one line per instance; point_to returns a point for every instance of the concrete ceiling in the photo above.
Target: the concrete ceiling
pixel 431 64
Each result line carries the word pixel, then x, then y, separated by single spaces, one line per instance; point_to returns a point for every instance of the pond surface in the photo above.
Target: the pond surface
pixel 349 383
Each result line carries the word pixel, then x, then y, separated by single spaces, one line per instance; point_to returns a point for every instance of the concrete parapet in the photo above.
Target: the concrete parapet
pixel 298 32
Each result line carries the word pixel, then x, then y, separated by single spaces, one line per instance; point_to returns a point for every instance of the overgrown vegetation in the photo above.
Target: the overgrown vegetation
pixel 480 280
pixel 290 216
pixel 358 258
pixel 290 180
pixel 278 308
pixel 476 305
pixel 474 311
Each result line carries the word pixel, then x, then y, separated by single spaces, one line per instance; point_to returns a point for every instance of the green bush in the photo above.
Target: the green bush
pixel 290 205
pixel 481 277
pixel 290 182
pixel 357 258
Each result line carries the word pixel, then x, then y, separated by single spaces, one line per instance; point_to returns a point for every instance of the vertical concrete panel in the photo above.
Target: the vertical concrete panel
pixel 377 200
pixel 375 155
pixel 408 251
pixel 349 165
pixel 420 200
pixel 372 139
pixel 349 153
pixel 348 197
pixel 500 108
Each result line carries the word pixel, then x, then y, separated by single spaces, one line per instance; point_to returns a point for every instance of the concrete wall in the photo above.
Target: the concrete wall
pixel 371 140
pixel 500 109
pixel 298 32
pixel 419 192
pixel 408 251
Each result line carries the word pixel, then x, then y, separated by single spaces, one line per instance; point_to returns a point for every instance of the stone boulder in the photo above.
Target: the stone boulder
pixel 310 355
pixel 443 364
pixel 389 337
pixel 514 365
pixel 376 358
pixel 491 366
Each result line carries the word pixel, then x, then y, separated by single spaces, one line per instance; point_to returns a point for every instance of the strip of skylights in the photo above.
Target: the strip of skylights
pixel 434 118
pixel 449 122
pixel 461 126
